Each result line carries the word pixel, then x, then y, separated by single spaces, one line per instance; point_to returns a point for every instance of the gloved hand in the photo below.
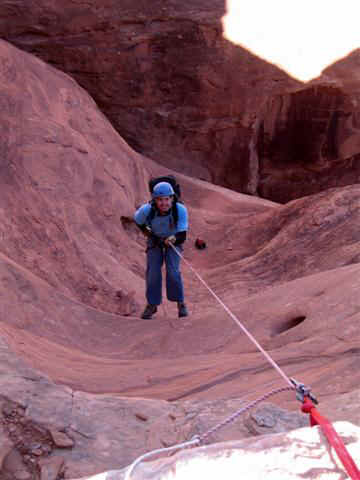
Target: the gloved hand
pixel 168 240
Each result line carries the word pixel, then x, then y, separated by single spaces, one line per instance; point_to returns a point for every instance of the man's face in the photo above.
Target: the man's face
pixel 163 203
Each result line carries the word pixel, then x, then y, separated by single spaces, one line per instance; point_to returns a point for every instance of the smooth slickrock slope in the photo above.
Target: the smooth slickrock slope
pixel 67 179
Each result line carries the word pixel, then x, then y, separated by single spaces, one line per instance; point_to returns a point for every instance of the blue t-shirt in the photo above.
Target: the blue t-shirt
pixel 163 225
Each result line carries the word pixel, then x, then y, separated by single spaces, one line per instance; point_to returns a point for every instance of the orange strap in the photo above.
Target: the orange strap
pixel 333 438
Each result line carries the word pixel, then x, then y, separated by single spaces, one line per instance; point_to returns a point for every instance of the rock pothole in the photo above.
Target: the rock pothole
pixel 288 324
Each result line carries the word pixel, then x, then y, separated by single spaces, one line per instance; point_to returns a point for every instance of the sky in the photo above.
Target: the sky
pixel 301 37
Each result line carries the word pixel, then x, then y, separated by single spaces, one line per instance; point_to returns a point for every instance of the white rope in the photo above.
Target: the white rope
pixel 236 320
pixel 189 443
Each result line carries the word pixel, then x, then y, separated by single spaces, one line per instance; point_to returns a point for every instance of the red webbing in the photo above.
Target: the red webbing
pixel 333 438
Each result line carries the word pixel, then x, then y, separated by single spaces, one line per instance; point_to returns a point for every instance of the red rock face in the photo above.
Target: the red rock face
pixel 162 72
pixel 69 186
pixel 72 283
pixel 179 92
pixel 70 259
pixel 307 141
pixel 53 178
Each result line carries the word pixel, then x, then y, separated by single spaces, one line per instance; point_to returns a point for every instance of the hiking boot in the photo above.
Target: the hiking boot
pixel 182 310
pixel 149 311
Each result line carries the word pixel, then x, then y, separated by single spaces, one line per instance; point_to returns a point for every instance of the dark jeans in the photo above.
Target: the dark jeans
pixel 156 256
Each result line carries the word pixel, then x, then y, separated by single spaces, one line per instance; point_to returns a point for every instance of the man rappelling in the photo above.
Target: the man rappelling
pixel 164 221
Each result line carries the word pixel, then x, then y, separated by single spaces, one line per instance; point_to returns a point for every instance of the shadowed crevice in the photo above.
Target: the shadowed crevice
pixel 288 325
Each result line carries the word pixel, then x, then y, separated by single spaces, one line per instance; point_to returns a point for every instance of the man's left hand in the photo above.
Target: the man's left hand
pixel 171 239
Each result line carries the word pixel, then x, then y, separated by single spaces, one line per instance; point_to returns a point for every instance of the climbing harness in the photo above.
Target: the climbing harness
pixel 303 394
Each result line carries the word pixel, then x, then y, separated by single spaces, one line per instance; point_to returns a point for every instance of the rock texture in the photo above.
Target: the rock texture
pixel 5 446
pixel 301 454
pixel 58 163
pixel 307 141
pixel 51 429
pixel 163 73
pixel 36 414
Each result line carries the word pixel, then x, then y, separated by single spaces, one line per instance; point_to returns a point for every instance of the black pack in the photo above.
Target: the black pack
pixel 176 187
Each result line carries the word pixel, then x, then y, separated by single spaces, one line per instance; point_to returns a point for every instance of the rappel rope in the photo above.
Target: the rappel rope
pixel 302 392
pixel 236 320
pixel 190 443
pixel 201 438
pixel 241 411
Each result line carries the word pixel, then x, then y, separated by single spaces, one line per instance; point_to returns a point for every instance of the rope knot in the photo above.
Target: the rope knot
pixel 307 406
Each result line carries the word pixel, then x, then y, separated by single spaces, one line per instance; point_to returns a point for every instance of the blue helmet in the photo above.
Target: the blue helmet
pixel 162 189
